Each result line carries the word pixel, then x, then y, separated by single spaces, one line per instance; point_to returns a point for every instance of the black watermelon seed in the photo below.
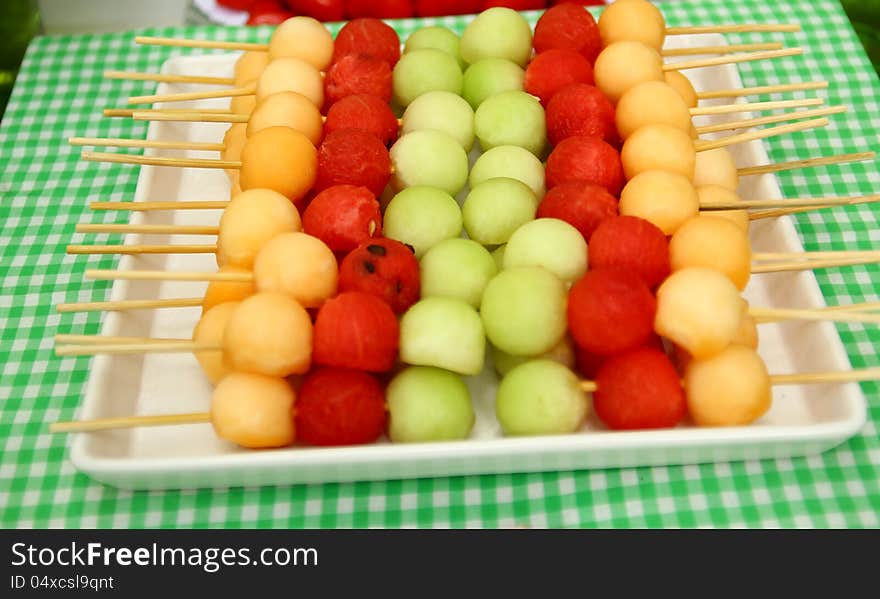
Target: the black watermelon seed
pixel 369 266
pixel 399 287
pixel 376 250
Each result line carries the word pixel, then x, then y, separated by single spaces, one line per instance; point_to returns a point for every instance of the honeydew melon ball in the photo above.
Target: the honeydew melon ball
pixel 443 332
pixel 540 397
pixel 457 268
pixel 550 243
pixel 422 71
pixel 428 404
pixel 495 208
pixel 512 162
pixel 422 217
pixel 512 118
pixel 441 111
pixel 491 76
pixel 436 38
pixel 523 310
pixel 562 352
pixel 498 256
pixel 429 158
pixel 497 33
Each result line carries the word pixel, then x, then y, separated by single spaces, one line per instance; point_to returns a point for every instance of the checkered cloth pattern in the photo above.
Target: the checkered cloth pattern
pixel 44 191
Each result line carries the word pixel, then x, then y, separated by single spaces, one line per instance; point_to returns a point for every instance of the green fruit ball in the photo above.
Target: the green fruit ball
pixel 562 352
pixel 428 404
pixel 429 158
pixel 498 256
pixel 497 33
pixel 488 77
pixel 422 71
pixel 457 268
pixel 441 111
pixel 422 217
pixel 541 397
pixel 496 208
pixel 509 161
pixel 435 38
pixel 551 243
pixel 443 332
pixel 511 118
pixel 523 310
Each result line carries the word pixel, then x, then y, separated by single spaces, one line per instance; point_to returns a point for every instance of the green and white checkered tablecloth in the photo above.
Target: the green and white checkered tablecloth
pixel 44 190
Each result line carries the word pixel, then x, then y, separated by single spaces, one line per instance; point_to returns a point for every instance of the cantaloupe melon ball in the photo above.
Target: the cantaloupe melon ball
pixel 243 104
pixel 287 109
pixel 249 67
pixel 280 159
pixel 269 333
pixel 298 265
pixel 304 38
pixel 210 329
pixel 651 103
pixel 291 75
pixel 716 167
pixel 715 194
pixel 632 20
pixel 220 292
pixel 731 388
pixel 250 220
pixel 663 198
pixel 658 147
pixel 623 65
pixel 748 329
pixel 253 410
pixel 699 309
pixel 233 142
pixel 715 243
pixel 683 86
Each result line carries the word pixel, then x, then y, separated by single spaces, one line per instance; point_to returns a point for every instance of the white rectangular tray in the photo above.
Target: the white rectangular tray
pixel 803 419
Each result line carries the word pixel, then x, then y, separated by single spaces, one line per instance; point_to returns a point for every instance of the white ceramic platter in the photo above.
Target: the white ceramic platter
pixel 803 420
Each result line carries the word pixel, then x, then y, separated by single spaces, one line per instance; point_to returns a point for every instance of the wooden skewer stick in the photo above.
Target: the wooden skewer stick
pixel 183 346
pixel 760 90
pixel 211 44
pixel 162 275
pixel 702 146
pixel 797 210
pixel 109 339
pixel 147 229
pixel 721 49
pixel 127 112
pixel 830 255
pixel 247 90
pixel 141 249
pixel 122 305
pixel 744 28
pixel 813 203
pixel 145 143
pixel 811 162
pixel 152 206
pixel 100 424
pixel 811 265
pixel 775 314
pixel 731 59
pixel 769 120
pixel 160 160
pixel 194 116
pixel 164 78
pixel 755 106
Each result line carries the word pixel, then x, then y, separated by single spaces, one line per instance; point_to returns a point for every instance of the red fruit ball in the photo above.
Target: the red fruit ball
pixel 580 109
pixel 439 8
pixel 639 389
pixel 610 311
pixel 363 112
pixel 387 9
pixel 357 74
pixel 516 4
pixel 323 10
pixel 343 217
pixel 631 243
pixel 356 330
pixel 582 205
pixel 337 406
pixel 267 12
pixel 385 268
pixel 587 159
pixel 353 157
pixel 367 36
pixel 237 4
pixel 587 363
pixel 571 27
pixel 550 71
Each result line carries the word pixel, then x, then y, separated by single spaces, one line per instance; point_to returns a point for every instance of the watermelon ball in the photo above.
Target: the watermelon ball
pixel 631 243
pixel 367 36
pixel 365 113
pixel 488 77
pixel 356 330
pixel 343 216
pixel 357 74
pixel 587 159
pixel 518 5
pixel 323 10
pixel 588 363
pixel 337 406
pixel 388 9
pixel 568 26
pixel 385 268
pixel 554 69
pixel 639 389
pixel 439 8
pixel 582 205
pixel 611 311
pixel 354 157
pixel 580 109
